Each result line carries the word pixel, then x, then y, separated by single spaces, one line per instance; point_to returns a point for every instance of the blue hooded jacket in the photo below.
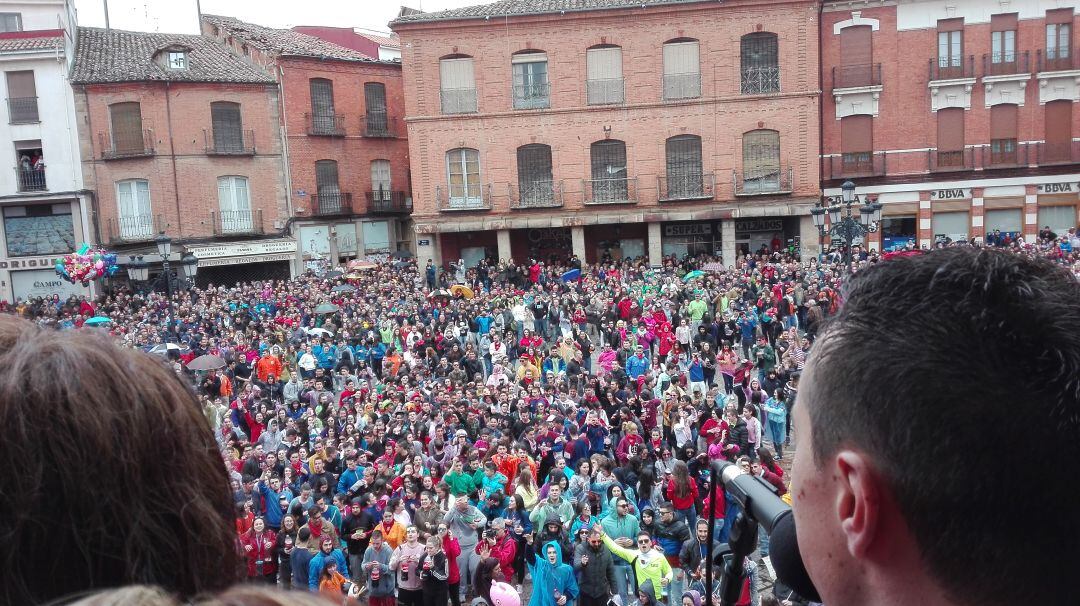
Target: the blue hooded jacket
pixel 549 578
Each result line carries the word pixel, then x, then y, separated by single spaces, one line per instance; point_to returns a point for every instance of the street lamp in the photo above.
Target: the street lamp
pixel 842 222
pixel 189 264
pixel 139 271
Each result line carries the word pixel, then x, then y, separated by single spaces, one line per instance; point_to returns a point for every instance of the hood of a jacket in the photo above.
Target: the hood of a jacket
pixel 647 588
pixel 558 554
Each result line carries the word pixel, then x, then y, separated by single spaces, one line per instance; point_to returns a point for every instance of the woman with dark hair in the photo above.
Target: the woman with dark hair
pixel 682 491
pixel 127 447
pixel 519 525
pixel 283 546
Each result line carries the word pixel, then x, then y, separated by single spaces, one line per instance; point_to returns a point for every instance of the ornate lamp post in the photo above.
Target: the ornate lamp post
pixel 139 272
pixel 842 221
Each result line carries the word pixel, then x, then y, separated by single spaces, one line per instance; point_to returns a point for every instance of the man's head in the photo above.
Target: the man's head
pixel 326 545
pixel 644 542
pixel 903 478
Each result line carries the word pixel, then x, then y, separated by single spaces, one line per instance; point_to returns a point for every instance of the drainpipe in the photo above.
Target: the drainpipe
pixel 298 263
pixel 172 157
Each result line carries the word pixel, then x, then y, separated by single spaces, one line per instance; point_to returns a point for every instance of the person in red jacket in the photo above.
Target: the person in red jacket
pixel 501 546
pixel 258 544
pixel 682 492
pixel 452 549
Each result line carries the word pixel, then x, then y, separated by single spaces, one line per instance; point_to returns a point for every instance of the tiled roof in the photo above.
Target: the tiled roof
pixel 284 41
pixel 387 40
pixel 123 56
pixel 529 7
pixel 27 44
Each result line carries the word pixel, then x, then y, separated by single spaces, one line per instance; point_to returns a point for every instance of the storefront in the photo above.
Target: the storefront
pixel 34 283
pixel 1057 206
pixel 765 233
pixel 543 243
pixel 228 264
pixel 690 238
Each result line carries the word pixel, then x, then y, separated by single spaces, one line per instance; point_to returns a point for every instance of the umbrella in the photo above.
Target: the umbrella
pixel 714 266
pixel 164 348
pixel 354 276
pixel 462 290
pixel 402 254
pixel 697 273
pixel 319 332
pixel 327 308
pixel 96 320
pixel 343 288
pixel 439 293
pixel 570 276
pixel 357 264
pixel 334 274
pixel 207 362
pixel 401 264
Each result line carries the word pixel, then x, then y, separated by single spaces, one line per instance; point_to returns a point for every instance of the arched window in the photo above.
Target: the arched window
pixel 761 161
pixel 610 182
pixel 457 85
pixel 227 126
pixel 684 170
pixel 603 66
pixel 531 83
pixel 760 62
pixel 463 178
pixel 536 187
pixel 234 202
pixel 682 69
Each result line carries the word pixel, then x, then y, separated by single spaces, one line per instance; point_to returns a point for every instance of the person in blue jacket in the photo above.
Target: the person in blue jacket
pixel 327 549
pixel 637 364
pixel 553 581
pixel 272 500
pixel 326 354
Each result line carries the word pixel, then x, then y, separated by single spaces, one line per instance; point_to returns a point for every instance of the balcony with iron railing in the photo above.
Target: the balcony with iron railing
pixel 760 80
pixel 378 125
pixel 684 187
pixel 951 68
pixel 134 228
pixel 235 143
pixel 1057 59
pixel 328 204
pixel 537 194
pixel 325 125
pixel 609 191
pixel 682 86
pixel 386 202
pixel 845 166
pixel 227 222
pixel 138 145
pixel 1050 154
pixel 458 100
pixel 856 76
pixel 532 96
pixel 943 161
pixel 479 198
pixel 1005 155
pixel 1006 64
pixel 30 179
pixel 22 110
pixel 604 91
pixel 766 181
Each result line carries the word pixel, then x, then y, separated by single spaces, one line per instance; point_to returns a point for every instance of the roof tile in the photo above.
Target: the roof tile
pixel 25 44
pixel 512 8
pixel 284 41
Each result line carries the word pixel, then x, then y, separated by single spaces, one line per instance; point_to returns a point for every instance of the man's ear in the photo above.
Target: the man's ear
pixel 858 500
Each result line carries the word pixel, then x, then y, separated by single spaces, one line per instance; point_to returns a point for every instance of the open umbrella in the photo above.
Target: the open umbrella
pixel 354 276
pixel 343 288
pixel 714 266
pixel 402 254
pixel 357 265
pixel 207 362
pixel 460 290
pixel 165 348
pixel 570 276
pixel 697 273
pixel 401 264
pixel 334 274
pixel 327 308
pixel 319 332
pixel 435 294
pixel 98 320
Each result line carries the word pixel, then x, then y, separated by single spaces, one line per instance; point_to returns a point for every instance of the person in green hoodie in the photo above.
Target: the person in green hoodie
pixel 460 482
pixel 623 528
pixel 649 563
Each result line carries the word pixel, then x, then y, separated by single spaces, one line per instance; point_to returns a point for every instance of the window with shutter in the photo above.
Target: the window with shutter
pixel 604 75
pixel 1058 127
pixel 133 209
pixel 759 60
pixel 331 200
pixel 234 202
pixel 531 86
pixel 856 58
pixel 127 130
pixel 1008 221
pixel 1003 134
pixel 376 120
pixel 950 137
pixel 1003 43
pixel 682 70
pixel 951 226
pixel 458 85
pixel 609 171
pixel 761 161
pixel 227 127
pixel 536 185
pixel 22 97
pixel 1059 39
pixel 10 22
pixel 380 179
pixel 463 178
pixel 685 174
pixel 1058 218
pixel 857 144
pixel 323 117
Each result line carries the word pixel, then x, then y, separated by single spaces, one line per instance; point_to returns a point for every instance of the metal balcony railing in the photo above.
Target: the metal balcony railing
pixel 30 179
pixel 606 91
pixel 763 181
pixel 385 201
pixel 478 199
pixel 610 191
pixel 940 161
pixel 853 76
pixel 1049 154
pixel 864 164
pixel 945 68
pixel 682 86
pixel 134 146
pixel 377 125
pixel 22 110
pixel 458 100
pixel 134 228
pixel 331 204
pixel 325 125
pixel 237 222
pixel 532 96
pixel 538 194
pixel 685 186
pixel 1057 59
pixel 760 80
pixel 1003 64
pixel 1005 156
pixel 239 143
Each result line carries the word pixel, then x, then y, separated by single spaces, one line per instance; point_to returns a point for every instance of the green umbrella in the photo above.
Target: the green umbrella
pixel 327 308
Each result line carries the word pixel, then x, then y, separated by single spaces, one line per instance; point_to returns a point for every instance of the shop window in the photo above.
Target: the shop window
pixel 376 237
pixel 898 232
pixel 951 226
pixel 1058 218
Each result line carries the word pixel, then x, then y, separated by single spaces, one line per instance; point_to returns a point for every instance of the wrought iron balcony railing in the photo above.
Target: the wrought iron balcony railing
pixel 238 143
pixel 854 76
pixel 237 222
pixel 763 181
pixel 324 204
pixel 610 191
pixel 385 201
pixel 115 146
pixel 537 194
pixel 30 179
pixel 685 186
pixel 134 228
pixel 760 80
pixel 606 91
pixel 22 110
pixel 458 100
pixel 460 198
pixel 325 125
pixel 682 86
pixel 532 96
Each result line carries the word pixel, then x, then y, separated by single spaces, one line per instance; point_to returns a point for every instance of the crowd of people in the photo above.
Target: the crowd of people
pixel 412 434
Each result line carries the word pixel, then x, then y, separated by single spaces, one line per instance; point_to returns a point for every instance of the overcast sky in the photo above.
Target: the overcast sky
pixel 180 16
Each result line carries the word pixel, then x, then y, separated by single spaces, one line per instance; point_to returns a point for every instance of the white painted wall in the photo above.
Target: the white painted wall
pixel 923 14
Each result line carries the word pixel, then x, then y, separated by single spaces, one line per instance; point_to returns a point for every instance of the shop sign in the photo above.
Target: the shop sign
pixel 246 259
pixel 423 242
pixel 1058 188
pixel 245 249
pixel 549 237
pixel 43 283
pixel 957 193
pixel 30 262
pixel 688 229
pixel 759 224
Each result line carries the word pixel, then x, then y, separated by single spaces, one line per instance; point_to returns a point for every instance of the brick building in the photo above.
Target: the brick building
pixel 959 116
pixel 385 47
pixel 632 128
pixel 345 137
pixel 179 135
